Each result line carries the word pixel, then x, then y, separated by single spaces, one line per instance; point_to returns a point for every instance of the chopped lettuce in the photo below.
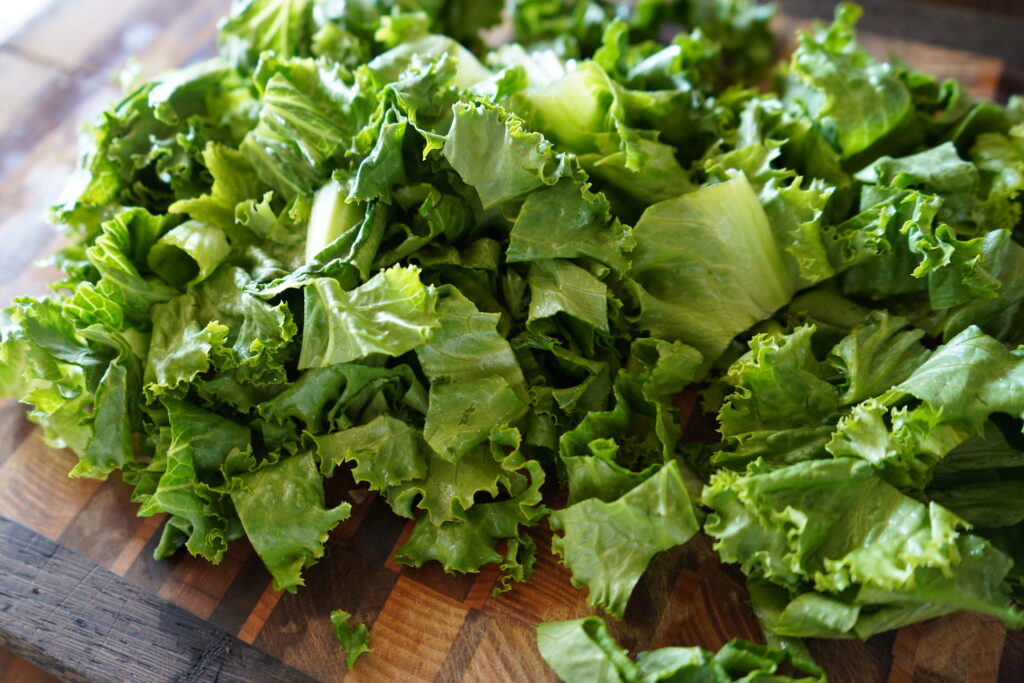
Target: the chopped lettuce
pixel 583 650
pixel 359 243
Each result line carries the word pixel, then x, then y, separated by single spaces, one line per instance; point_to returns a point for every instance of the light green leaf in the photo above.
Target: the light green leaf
pixel 355 640
pixel 281 506
pixel 706 267
pixel 609 545
pixel 392 313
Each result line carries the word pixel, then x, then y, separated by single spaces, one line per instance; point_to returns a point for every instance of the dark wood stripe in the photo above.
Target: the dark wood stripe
pixel 373 594
pixel 80 621
pixel 956 27
pixel 1012 663
pixel 378 533
pixel 473 628
pixel 433 576
pixel 348 577
pixel 242 595
pixel 647 603
pixel 104 525
pixel 1011 82
pixel 853 661
pixel 148 573
pixel 14 428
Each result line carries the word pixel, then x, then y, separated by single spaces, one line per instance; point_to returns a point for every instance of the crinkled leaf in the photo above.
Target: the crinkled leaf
pixel 609 545
pixel 281 506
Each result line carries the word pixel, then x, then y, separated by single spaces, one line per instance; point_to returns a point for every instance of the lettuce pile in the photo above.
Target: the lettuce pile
pixel 464 263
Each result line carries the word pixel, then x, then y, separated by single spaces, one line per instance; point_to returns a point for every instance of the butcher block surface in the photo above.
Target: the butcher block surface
pixel 81 595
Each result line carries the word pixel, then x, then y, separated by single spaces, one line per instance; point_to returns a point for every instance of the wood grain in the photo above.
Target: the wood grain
pixel 80 592
pixel 82 622
pixel 15 669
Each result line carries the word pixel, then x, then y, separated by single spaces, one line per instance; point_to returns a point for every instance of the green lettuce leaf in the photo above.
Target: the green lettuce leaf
pixel 809 528
pixel 583 650
pixel 706 267
pixel 862 101
pixel 567 221
pixel 391 314
pixel 281 506
pixel 355 640
pixel 200 443
pixel 278 26
pixel 309 114
pixel 970 378
pixel 783 407
pixel 608 545
pixel 493 152
pixel 469 539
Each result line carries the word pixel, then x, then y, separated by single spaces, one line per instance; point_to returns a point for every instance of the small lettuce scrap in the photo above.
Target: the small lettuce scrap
pixel 355 640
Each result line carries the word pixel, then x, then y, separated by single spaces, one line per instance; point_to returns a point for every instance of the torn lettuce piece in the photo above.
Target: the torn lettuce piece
pixel 970 378
pixel 460 416
pixel 188 489
pixel 493 152
pixel 467 346
pixel 862 102
pixel 466 541
pixel 355 640
pixel 281 506
pixel 392 313
pixel 582 650
pixel 706 267
pixel 904 445
pixel 876 355
pixel 565 221
pixel 608 545
pixel 836 528
pixel 783 408
pixel 309 114
pixel 560 287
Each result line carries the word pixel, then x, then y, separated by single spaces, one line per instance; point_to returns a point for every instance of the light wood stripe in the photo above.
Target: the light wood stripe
pixel 36 491
pixel 136 544
pixel 903 654
pixel 419 626
pixel 261 612
pixel 57 37
pixel 507 652
pixel 197 585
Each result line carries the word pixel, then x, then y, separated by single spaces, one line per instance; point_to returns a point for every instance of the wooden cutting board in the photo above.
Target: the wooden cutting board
pixel 80 593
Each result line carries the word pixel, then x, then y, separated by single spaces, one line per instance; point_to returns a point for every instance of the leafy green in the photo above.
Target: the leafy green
pixel 862 102
pixel 354 639
pixel 392 313
pixel 360 244
pixel 608 545
pixel 706 267
pixel 281 506
pixel 835 535
pixel 583 650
